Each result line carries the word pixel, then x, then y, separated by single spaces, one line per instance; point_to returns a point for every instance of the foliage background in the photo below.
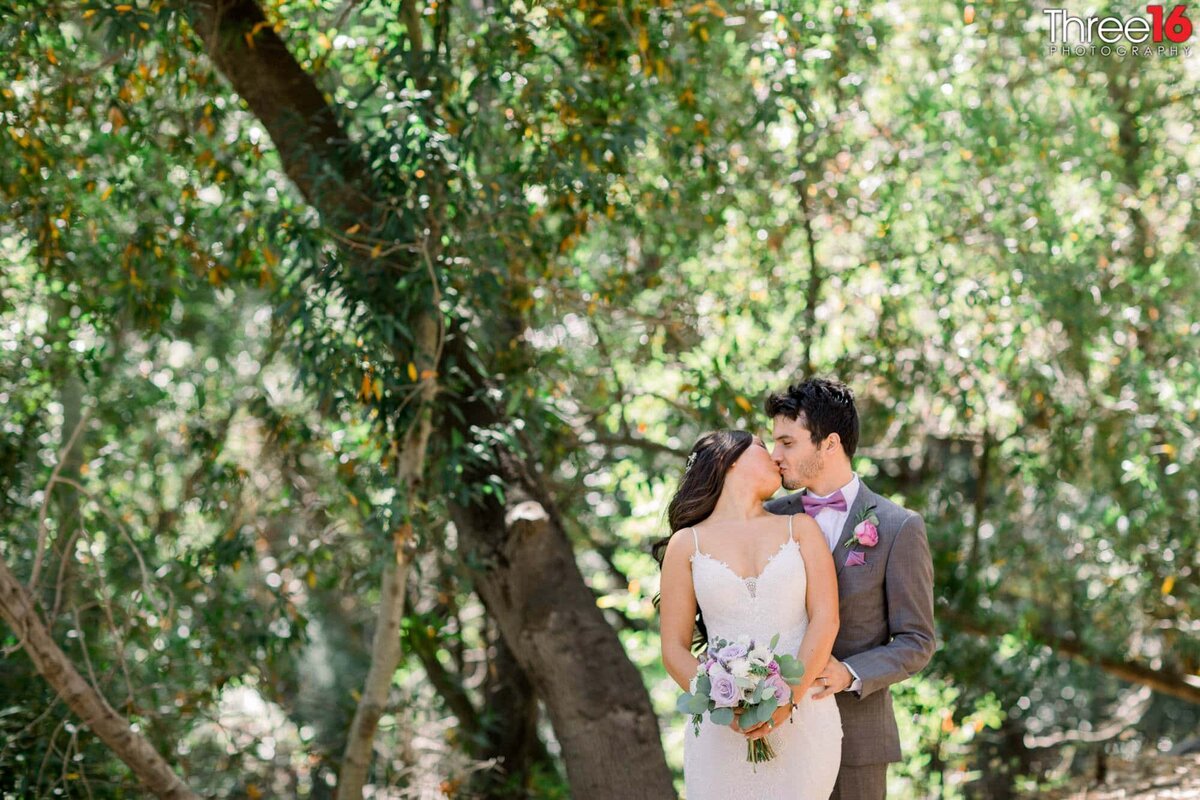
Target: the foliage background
pixel 677 207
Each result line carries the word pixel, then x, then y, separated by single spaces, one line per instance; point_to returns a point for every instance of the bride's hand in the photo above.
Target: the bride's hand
pixel 765 728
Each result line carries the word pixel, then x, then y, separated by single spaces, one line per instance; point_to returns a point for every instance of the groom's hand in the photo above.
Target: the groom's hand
pixel 833 679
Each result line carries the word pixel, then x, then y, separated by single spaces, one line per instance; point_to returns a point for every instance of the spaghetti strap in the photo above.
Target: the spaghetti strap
pixel 790 525
pixel 696 538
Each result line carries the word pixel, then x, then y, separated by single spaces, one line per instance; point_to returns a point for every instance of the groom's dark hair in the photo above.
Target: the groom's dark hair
pixel 827 406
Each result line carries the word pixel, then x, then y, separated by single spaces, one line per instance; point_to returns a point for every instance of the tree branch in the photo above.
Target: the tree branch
pixel 1163 681
pixel 16 608
pixel 315 151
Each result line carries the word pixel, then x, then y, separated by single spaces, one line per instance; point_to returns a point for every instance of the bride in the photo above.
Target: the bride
pixel 749 573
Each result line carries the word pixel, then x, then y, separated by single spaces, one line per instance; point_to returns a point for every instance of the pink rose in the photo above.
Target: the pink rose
pixel 782 690
pixel 867 533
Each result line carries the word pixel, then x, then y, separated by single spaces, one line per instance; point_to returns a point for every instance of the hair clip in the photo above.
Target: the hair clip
pixel 691 460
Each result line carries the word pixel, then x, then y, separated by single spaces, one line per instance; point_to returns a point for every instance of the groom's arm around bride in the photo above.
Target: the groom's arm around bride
pixel 908 594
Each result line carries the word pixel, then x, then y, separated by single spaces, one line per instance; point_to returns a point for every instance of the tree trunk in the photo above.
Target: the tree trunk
pixel 595 697
pixel 506 727
pixel 385 649
pixel 16 608
pixel 510 727
pixel 533 588
pixel 385 656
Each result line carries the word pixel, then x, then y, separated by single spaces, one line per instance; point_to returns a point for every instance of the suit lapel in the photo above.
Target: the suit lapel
pixel 840 551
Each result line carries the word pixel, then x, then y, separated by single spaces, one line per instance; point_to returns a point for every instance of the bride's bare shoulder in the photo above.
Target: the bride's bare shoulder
pixel 680 545
pixel 803 527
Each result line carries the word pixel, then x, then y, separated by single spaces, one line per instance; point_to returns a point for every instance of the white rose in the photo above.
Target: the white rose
pixel 740 668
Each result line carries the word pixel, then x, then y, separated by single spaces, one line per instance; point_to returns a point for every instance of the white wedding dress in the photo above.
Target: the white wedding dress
pixel 808 751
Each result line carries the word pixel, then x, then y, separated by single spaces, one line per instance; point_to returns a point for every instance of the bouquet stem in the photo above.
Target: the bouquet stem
pixel 759 750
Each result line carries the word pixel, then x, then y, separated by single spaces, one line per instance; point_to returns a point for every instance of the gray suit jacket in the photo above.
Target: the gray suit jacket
pixel 886 612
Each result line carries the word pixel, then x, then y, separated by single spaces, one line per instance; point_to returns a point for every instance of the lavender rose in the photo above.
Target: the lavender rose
pixel 724 692
pixel 731 651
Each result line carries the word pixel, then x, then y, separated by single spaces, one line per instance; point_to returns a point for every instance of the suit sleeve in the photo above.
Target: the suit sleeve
pixel 908 587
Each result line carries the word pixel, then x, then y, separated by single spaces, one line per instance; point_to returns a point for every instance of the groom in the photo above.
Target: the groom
pixel 885 579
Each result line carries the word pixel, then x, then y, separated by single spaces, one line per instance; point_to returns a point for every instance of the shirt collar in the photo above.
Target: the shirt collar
pixel 849 491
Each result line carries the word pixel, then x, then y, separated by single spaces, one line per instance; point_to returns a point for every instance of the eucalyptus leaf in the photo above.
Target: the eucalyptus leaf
pixel 721 716
pixel 698 704
pixel 790 669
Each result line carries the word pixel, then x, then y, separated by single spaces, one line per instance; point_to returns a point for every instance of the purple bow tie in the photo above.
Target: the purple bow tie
pixel 813 505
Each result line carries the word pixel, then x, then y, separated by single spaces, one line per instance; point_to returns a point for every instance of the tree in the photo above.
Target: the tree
pixel 518 258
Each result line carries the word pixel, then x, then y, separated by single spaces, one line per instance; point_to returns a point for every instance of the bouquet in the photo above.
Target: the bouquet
pixel 741 676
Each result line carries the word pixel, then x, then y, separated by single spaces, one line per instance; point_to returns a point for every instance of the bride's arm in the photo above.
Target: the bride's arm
pixel 677 610
pixel 821 601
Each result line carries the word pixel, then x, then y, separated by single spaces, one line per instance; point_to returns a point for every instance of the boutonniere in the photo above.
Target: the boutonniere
pixel 866 532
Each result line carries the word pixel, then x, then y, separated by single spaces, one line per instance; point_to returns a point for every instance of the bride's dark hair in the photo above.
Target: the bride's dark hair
pixel 699 488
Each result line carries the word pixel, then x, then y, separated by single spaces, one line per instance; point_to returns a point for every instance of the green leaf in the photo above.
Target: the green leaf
pixel 748 719
pixel 791 669
pixel 721 716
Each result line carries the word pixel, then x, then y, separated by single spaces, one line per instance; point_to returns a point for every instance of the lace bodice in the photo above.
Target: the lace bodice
pixel 758 606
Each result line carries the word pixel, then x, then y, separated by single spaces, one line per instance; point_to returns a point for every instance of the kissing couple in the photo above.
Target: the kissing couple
pixel 838 576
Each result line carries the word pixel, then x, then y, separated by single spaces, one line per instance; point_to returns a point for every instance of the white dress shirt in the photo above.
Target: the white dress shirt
pixel 831 523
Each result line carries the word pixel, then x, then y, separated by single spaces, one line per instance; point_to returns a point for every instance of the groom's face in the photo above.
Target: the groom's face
pixel 799 459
